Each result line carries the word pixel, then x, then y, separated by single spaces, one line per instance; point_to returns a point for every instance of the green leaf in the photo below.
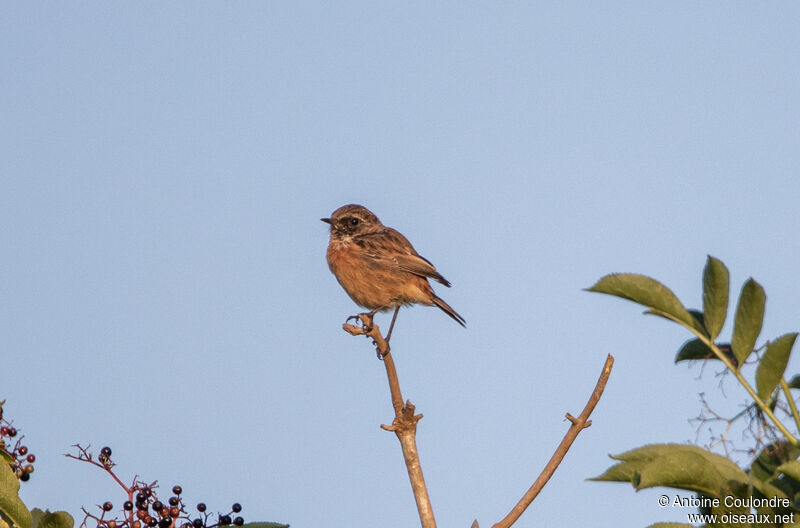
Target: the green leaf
pixel 773 365
pixel 46 519
pixel 748 321
pixel 716 284
pixel 647 292
pixel 771 458
pixel 791 469
pixel 694 349
pixel 765 475
pixel 678 466
pixel 14 510
pixel 698 316
pixel 4 456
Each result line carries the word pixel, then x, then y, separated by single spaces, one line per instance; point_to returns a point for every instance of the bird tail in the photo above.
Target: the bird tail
pixel 449 311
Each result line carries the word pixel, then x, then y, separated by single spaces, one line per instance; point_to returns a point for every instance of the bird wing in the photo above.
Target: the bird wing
pixel 390 248
pixel 419 266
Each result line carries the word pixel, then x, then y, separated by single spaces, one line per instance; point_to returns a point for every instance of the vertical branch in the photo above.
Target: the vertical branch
pixel 408 444
pixel 405 421
pixel 394 384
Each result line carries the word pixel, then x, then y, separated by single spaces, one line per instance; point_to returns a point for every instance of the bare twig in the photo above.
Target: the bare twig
pixel 578 424
pixel 405 427
pixel 405 421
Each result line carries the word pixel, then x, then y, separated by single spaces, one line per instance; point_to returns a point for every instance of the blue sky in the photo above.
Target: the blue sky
pixel 163 167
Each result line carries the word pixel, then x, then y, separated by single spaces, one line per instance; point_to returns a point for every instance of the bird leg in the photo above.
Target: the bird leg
pixel 391 326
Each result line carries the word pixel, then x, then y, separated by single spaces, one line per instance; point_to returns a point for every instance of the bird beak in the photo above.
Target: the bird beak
pixel 326 220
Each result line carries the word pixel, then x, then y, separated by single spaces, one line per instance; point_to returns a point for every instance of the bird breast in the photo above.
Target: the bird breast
pixel 373 284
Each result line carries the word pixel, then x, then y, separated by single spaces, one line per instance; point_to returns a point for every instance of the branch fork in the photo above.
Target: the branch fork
pixel 405 421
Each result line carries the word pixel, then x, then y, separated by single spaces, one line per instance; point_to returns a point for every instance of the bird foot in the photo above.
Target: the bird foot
pixel 368 329
pixel 365 319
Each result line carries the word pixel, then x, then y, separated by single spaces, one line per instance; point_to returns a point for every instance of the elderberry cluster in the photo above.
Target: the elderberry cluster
pixel 21 460
pixel 144 509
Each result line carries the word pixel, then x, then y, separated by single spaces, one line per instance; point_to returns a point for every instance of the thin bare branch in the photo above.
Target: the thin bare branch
pixel 405 421
pixel 578 424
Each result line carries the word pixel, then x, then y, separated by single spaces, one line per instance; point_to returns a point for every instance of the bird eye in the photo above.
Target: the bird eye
pixel 354 221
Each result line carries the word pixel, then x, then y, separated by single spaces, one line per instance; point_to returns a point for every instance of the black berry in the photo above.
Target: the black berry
pixel 197 523
pixel 177 490
pixel 157 506
pixel 236 507
pixel 224 520
pixel 201 507
pixel 128 506
pixel 165 522
pixel 106 451
pixel 25 477
pixel 173 501
pixel 238 521
pixel 107 506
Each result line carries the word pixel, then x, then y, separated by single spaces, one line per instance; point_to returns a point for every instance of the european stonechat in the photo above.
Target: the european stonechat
pixel 377 266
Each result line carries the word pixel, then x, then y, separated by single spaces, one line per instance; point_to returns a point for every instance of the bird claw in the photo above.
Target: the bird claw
pixel 365 320
pixel 366 328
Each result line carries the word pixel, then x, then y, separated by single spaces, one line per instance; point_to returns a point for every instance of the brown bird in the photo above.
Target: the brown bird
pixel 378 267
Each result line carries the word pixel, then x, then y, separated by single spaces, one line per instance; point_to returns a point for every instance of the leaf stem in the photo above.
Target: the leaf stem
pixel 743 382
pixel 790 400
